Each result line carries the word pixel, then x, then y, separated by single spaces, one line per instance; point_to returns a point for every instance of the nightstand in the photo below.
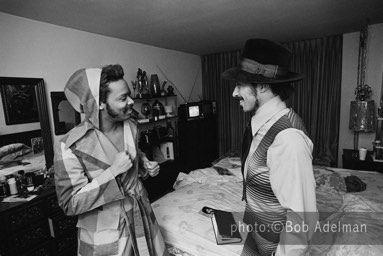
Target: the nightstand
pixel 162 183
pixel 351 160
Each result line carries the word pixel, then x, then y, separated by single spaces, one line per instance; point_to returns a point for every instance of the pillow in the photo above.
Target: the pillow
pixel 354 184
pixel 329 180
pixel 226 155
pixel 222 171
pixel 12 151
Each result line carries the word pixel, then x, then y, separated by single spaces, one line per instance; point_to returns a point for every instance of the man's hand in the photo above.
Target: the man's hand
pixel 152 167
pixel 121 163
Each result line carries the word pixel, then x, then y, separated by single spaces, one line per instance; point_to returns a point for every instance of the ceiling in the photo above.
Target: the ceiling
pixel 203 26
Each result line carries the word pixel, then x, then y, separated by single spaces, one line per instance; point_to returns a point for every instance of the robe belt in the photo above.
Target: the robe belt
pixel 139 238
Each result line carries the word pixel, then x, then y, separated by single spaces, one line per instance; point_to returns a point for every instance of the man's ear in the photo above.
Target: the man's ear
pixel 264 87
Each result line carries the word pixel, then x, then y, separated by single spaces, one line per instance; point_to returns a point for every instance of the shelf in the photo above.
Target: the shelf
pixel 168 139
pixel 151 121
pixel 153 98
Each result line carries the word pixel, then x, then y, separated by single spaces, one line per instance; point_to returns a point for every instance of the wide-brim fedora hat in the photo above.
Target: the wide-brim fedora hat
pixel 264 62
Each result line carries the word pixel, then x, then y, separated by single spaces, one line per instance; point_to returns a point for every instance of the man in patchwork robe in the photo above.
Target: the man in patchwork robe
pixel 97 169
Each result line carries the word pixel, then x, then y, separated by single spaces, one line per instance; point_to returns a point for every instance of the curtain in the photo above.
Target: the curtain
pixel 316 98
pixel 231 119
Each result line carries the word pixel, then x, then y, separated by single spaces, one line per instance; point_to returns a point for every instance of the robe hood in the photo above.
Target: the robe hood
pixel 82 91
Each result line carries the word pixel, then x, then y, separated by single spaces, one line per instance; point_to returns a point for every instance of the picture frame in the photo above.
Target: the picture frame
pixel 19 100
pixel 37 145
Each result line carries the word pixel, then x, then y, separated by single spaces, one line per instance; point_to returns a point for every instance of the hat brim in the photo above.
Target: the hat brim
pixel 237 74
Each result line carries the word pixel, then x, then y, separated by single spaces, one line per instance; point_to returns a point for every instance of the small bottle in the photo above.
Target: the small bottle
pixel 30 185
pixel 170 129
pixel 4 188
pixel 375 143
pixel 21 182
pixel 12 186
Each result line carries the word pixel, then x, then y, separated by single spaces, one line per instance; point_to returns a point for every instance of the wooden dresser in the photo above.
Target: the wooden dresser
pixel 40 228
pixel 37 227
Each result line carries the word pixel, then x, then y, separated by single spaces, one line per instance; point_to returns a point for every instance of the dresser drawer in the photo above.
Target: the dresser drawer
pixel 29 237
pixel 60 224
pixel 66 245
pixel 43 250
pixel 25 216
pixel 52 205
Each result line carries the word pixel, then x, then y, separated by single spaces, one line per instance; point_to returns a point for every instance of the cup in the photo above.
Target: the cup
pixel 362 154
pixel 168 110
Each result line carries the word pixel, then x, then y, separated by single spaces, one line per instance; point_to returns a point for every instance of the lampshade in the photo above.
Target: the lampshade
pixel 362 116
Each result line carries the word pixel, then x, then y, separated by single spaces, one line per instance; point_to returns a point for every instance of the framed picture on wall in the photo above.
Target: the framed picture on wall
pixel 37 145
pixel 19 100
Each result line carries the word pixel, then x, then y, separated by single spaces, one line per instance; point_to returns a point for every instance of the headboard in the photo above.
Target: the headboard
pixel 20 137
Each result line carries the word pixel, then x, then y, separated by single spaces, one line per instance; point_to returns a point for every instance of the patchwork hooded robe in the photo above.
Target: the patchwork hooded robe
pixel 114 213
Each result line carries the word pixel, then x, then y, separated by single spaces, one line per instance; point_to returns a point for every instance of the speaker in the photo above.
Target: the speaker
pixel 209 107
pixel 198 142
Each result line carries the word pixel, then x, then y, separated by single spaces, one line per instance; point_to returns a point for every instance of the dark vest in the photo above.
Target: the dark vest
pixel 262 206
pixel 289 120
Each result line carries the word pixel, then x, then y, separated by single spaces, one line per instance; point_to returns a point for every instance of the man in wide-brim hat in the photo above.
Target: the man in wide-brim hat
pixel 278 178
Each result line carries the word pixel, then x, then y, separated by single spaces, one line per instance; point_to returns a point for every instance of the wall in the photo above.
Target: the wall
pixel 30 48
pixel 34 49
pixel 374 78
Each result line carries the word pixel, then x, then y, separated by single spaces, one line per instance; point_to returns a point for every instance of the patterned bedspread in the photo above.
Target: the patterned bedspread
pixel 188 232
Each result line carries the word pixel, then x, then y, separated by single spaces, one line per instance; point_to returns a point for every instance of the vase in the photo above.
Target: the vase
pixel 146 109
pixel 170 90
pixel 163 91
pixel 145 91
pixel 155 89
pixel 158 109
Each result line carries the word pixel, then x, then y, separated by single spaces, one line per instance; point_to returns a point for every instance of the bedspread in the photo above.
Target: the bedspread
pixel 187 230
pixel 178 213
pixel 357 210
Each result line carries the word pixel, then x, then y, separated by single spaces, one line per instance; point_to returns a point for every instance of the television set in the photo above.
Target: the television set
pixel 190 111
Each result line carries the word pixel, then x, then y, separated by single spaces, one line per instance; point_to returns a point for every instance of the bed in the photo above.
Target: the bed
pixel 187 232
pixel 16 153
pixel 29 162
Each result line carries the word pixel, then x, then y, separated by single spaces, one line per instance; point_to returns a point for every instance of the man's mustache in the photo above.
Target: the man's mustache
pixel 239 98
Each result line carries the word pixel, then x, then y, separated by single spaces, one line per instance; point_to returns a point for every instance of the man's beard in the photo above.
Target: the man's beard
pixel 113 113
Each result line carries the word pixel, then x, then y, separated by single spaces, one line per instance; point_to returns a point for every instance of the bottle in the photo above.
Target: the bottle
pixel 12 186
pixel 170 129
pixel 4 188
pixel 30 185
pixel 375 143
pixel 21 182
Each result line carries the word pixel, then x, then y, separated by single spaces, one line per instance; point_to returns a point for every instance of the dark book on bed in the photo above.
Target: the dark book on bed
pixel 225 228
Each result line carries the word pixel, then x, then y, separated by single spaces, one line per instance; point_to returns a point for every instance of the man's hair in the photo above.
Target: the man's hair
pixel 284 90
pixel 110 73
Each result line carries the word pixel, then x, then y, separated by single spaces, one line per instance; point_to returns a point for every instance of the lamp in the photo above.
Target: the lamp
pixel 362 118
pixel 362 111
